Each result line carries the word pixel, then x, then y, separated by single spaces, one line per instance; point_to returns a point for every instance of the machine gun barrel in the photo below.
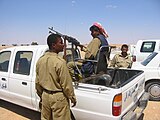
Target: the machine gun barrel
pixel 68 38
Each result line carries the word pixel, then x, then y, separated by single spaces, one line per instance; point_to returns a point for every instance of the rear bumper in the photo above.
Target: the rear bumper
pixel 137 110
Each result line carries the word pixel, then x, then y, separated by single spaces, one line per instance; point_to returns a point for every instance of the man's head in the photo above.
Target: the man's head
pixel 55 43
pixel 95 31
pixel 124 49
pixel 100 28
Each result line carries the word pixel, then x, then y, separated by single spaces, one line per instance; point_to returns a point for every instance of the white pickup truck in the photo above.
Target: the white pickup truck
pixel 151 68
pixel 124 98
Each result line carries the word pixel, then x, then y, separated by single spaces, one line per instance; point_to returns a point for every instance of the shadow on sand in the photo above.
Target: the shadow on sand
pixel 30 114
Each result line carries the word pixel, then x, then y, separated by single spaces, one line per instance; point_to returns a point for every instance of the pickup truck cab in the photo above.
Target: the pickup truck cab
pixel 151 68
pixel 123 97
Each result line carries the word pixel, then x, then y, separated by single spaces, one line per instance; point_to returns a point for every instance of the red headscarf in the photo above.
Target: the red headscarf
pixel 102 30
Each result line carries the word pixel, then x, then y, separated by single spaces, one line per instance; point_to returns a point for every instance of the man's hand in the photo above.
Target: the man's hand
pixel 74 104
pixel 40 104
pixel 73 101
pixel 82 47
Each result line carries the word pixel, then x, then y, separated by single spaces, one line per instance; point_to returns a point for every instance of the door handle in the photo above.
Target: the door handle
pixel 24 83
pixel 4 79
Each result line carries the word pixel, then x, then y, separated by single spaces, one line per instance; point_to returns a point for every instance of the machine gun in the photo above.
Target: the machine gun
pixel 74 42
pixel 65 37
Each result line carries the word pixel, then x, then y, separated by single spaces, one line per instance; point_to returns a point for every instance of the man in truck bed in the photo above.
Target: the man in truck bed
pixel 99 39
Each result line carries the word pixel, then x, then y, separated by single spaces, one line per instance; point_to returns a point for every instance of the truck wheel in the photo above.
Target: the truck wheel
pixel 153 88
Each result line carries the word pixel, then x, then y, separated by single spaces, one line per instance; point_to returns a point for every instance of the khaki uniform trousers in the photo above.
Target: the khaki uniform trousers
pixel 55 107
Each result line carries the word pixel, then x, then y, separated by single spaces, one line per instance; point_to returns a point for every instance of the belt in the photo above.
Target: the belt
pixel 51 92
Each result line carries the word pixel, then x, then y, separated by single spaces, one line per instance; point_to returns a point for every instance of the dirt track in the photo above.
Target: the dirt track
pixel 9 111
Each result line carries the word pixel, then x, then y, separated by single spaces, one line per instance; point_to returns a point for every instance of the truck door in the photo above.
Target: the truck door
pixel 20 78
pixel 147 48
pixel 4 72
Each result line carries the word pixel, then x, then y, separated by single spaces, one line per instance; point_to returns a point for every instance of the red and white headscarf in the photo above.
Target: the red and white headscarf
pixel 102 30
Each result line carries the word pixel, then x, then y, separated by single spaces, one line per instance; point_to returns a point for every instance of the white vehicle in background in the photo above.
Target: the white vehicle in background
pixel 151 68
pixel 144 48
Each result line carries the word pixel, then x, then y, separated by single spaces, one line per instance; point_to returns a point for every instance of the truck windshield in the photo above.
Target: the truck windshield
pixel 149 58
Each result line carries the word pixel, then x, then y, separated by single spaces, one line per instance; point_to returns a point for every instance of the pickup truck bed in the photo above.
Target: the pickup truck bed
pixel 97 92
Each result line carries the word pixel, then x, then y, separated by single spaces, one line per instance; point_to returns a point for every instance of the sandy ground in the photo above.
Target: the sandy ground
pixel 152 112
pixel 10 111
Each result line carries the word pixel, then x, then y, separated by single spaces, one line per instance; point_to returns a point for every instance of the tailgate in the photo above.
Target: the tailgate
pixel 94 102
pixel 131 93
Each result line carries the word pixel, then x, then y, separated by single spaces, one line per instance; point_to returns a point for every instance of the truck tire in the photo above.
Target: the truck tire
pixel 153 88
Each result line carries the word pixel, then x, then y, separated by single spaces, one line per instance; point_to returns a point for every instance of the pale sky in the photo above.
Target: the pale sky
pixel 126 21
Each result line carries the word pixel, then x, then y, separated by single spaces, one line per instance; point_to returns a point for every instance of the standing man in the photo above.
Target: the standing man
pixel 122 60
pixel 54 83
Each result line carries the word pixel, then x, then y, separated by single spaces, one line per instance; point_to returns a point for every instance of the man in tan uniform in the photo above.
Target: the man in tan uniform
pixel 53 82
pixel 122 60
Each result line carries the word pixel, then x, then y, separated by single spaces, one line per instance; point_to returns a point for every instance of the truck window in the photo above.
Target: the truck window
pixel 22 62
pixel 148 46
pixel 4 60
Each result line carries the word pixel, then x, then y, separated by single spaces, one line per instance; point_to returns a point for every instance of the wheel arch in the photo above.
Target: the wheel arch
pixel 151 80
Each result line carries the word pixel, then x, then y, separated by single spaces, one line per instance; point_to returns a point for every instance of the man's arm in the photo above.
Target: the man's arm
pixel 130 62
pixel 113 62
pixel 66 83
pixel 39 89
pixel 93 48
pixel 37 85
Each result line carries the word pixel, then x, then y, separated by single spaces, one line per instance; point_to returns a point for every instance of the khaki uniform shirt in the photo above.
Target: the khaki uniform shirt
pixel 52 74
pixel 92 48
pixel 120 61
